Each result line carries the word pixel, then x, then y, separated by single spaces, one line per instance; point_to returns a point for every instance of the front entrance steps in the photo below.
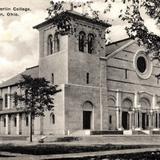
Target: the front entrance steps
pixel 114 132
pixel 136 132
pixel 81 133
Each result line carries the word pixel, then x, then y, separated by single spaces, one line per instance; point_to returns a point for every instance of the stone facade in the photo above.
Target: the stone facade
pixel 104 87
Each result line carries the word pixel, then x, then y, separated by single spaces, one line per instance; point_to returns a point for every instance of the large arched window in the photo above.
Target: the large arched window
pixel 56 43
pixel 90 43
pixel 82 38
pixel 50 45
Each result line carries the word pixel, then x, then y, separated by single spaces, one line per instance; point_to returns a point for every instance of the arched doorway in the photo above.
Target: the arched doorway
pixel 126 107
pixel 145 108
pixel 87 115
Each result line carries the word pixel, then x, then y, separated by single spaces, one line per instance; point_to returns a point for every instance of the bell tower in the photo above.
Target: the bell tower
pixel 71 57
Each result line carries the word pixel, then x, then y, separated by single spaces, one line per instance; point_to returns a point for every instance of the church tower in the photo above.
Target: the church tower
pixel 73 60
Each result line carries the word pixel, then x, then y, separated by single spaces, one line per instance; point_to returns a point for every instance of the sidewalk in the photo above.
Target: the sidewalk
pixel 74 155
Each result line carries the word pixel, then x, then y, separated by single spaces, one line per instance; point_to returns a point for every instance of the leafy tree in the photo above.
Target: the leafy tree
pixel 36 95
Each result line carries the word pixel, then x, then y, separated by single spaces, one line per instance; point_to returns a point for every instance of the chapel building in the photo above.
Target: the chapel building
pixel 104 87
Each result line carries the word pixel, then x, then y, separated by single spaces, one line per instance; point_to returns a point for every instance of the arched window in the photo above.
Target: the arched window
pixel 50 45
pixel 82 38
pixel 90 43
pixel 52 118
pixel 56 43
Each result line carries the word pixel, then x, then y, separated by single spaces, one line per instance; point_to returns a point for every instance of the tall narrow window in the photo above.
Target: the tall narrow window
pixel 56 43
pixel 52 78
pixel 50 44
pixel 82 38
pixel 15 121
pixel 6 100
pixel 52 118
pixel 126 73
pixel 90 43
pixel 27 120
pixel 87 78
pixel 110 119
pixel 4 122
pixel 138 120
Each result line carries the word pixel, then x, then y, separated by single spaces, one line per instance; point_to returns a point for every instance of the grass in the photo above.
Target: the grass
pixel 46 149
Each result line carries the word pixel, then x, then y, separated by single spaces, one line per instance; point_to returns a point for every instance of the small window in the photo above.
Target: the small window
pixel 157 80
pixel 110 119
pixel 90 43
pixel 6 100
pixel 27 120
pixel 82 38
pixel 52 119
pixel 50 45
pixel 4 122
pixel 87 78
pixel 15 121
pixel 52 78
pixel 126 73
pixel 56 43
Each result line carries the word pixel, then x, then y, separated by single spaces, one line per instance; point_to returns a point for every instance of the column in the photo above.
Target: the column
pixel 130 120
pixel 136 100
pixel 118 109
pixel 120 119
pixel 7 124
pixel 157 119
pixel 117 117
pixel 133 119
pixel 9 97
pixel 136 111
pixel 18 124
pixel 140 119
pixel 153 113
pixel 150 119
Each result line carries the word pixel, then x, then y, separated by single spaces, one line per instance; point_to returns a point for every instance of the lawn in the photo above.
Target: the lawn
pixel 46 149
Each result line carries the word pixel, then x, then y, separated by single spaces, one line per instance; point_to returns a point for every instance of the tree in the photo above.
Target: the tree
pixel 36 95
pixel 132 14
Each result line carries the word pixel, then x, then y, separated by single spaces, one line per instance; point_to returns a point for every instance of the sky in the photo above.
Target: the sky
pixel 19 41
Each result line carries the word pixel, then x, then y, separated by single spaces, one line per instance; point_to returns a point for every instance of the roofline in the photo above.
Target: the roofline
pixel 73 14
pixel 119 41
pixel 117 51
pixel 32 67
pixel 15 84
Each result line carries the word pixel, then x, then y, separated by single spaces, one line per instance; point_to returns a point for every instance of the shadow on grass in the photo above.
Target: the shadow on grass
pixel 46 149
pixel 132 156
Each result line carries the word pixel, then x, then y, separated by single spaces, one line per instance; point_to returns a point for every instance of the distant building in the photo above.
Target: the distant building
pixel 104 87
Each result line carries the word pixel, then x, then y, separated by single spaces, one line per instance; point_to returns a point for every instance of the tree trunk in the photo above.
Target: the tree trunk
pixel 30 134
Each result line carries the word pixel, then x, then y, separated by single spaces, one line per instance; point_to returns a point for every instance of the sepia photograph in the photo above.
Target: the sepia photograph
pixel 79 79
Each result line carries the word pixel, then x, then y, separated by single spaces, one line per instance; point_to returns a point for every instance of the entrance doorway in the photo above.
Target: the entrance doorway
pixel 125 120
pixel 87 119
pixel 145 121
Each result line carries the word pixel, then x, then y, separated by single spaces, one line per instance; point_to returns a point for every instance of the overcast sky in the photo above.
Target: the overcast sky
pixel 19 41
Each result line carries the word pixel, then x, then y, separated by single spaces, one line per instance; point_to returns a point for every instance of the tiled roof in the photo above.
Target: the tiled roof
pixel 33 71
pixel 73 14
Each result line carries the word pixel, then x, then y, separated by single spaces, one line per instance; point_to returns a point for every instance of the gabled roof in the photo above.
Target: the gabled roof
pixel 74 15
pixel 111 47
pixel 33 71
